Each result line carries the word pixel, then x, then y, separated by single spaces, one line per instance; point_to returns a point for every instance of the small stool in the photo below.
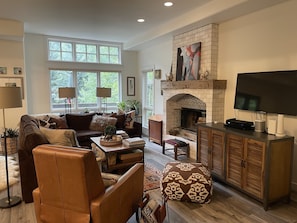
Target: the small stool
pixel 179 147
pixel 187 182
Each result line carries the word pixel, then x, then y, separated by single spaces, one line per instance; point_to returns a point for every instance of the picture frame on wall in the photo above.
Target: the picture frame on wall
pixel 188 62
pixel 17 70
pixel 3 70
pixel 131 86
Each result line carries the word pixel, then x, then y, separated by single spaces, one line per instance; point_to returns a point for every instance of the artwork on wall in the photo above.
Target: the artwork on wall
pixel 3 70
pixel 17 70
pixel 188 62
pixel 131 86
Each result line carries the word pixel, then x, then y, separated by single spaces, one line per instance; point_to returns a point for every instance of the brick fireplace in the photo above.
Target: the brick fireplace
pixel 207 94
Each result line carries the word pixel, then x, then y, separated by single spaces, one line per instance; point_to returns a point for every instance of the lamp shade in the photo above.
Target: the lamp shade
pixel 10 97
pixel 67 92
pixel 103 92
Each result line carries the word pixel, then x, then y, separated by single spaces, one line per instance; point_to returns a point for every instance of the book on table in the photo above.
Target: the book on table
pixel 134 142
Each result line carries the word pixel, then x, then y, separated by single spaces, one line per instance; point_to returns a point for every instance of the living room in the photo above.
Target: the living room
pixel 260 41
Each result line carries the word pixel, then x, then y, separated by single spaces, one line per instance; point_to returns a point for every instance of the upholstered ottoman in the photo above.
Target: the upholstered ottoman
pixel 187 182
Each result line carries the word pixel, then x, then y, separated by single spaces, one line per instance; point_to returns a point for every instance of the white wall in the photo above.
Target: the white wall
pixel 12 55
pixel 37 68
pixel 157 56
pixel 262 41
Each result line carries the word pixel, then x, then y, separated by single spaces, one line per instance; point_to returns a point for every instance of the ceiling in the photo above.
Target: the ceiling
pixel 115 20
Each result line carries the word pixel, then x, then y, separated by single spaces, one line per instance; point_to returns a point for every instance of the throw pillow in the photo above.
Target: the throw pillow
pixel 63 137
pixel 79 122
pixel 44 121
pixel 130 118
pixel 100 122
pixel 60 121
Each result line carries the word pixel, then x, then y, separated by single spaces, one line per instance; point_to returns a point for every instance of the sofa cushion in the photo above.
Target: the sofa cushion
pixel 79 121
pixel 63 137
pixel 100 122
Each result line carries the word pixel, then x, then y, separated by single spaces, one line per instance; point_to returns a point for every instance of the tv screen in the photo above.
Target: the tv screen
pixel 270 92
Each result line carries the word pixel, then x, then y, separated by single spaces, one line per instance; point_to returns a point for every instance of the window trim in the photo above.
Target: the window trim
pixel 86 42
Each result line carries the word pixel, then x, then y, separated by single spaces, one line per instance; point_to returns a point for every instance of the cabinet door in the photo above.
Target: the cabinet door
pixel 253 167
pixel 203 143
pixel 234 159
pixel 217 152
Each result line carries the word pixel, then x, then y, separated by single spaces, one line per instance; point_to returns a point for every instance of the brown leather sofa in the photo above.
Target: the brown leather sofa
pixel 31 136
pixel 71 189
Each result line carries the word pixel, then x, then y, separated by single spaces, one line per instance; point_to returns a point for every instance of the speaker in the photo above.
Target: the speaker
pixel 271 126
pixel 280 126
pixel 259 126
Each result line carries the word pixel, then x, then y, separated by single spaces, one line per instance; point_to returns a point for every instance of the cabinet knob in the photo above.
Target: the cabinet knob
pixel 242 163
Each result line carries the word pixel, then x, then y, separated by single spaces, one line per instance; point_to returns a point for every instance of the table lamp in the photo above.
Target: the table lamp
pixel 103 93
pixel 10 97
pixel 68 93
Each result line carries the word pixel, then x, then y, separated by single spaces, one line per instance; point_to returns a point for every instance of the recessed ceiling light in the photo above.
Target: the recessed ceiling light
pixel 140 20
pixel 168 4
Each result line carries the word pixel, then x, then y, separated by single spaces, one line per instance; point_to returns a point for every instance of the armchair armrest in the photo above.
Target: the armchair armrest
pixel 121 200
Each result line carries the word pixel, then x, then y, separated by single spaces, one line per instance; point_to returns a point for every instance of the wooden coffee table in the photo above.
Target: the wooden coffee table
pixel 117 149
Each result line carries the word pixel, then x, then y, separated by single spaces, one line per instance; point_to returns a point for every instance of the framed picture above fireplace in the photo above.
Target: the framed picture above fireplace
pixel 188 62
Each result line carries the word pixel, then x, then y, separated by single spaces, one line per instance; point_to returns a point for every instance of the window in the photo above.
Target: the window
pixel 83 52
pixel 148 101
pixel 109 54
pixel 111 80
pixel 86 89
pixel 86 53
pixel 59 78
pixel 86 83
pixel 60 51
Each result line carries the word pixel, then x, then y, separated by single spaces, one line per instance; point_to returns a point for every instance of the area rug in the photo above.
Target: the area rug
pixel 152 177
pixel 13 172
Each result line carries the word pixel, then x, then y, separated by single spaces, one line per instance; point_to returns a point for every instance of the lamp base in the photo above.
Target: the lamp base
pixel 4 203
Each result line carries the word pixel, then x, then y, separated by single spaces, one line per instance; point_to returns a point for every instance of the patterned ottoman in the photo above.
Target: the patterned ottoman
pixel 186 182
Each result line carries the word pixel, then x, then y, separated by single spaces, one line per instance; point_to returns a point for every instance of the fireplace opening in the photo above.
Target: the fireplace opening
pixel 191 117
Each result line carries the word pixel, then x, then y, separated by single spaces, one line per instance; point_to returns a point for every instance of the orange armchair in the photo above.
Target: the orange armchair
pixel 71 189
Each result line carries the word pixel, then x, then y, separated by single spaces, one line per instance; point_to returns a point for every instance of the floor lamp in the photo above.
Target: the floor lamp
pixel 104 93
pixel 10 97
pixel 68 93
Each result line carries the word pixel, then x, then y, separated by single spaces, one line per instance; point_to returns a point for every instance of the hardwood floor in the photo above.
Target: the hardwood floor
pixel 227 205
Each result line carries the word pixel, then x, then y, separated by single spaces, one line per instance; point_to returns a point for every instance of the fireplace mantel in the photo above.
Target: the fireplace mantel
pixel 194 84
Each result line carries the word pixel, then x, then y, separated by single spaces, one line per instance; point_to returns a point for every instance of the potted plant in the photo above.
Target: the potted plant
pixel 109 131
pixel 11 141
pixel 134 105
pixel 122 106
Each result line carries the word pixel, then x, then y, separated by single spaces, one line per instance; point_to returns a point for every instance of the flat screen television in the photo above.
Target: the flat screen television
pixel 270 92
